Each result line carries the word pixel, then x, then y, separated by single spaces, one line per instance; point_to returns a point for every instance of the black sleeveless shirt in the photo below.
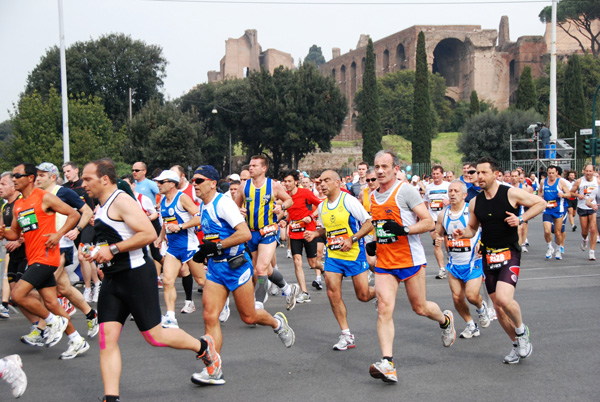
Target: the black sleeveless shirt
pixel 495 232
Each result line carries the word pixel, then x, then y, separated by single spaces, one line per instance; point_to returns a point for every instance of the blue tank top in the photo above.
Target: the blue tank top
pixel 553 201
pixel 175 214
pixel 216 228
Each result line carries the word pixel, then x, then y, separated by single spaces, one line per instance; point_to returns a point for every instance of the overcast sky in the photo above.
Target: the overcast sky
pixel 192 33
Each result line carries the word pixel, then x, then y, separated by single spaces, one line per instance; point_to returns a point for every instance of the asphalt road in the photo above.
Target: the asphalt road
pixel 559 300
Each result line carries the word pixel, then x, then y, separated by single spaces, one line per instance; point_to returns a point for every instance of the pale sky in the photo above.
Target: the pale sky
pixel 192 33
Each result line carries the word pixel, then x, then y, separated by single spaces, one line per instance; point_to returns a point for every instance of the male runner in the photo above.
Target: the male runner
pixel 436 197
pixel 554 190
pixel 143 184
pixel 177 211
pixel 571 201
pixel 33 216
pixel 495 209
pixel 257 201
pixel 583 189
pixel 464 261
pixel 122 231
pixel 301 216
pixel 399 216
pixel 229 270
pixel 345 222
pixel 361 184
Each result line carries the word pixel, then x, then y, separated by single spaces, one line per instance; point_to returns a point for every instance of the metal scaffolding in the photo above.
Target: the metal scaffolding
pixel 526 153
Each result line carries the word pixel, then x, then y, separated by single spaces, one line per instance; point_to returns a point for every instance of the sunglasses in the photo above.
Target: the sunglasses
pixel 472 171
pixel 198 180
pixel 164 181
pixel 136 170
pixel 19 175
pixel 373 180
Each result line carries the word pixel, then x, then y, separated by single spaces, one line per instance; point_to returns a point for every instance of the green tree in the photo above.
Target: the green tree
pixel 488 133
pixel 474 106
pixel 422 128
pixel 577 17
pixel 107 68
pixel 37 131
pixel 526 97
pixel 315 56
pixel 571 91
pixel 369 121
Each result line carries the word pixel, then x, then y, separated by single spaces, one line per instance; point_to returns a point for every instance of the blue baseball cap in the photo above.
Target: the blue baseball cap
pixel 208 171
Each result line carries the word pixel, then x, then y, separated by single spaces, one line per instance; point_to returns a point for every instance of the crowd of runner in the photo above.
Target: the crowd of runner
pixel 133 235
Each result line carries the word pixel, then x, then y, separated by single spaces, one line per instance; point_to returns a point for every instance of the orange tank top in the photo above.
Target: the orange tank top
pixel 35 223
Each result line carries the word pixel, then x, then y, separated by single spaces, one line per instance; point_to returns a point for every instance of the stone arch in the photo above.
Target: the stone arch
pixel 352 79
pixel 386 61
pixel 400 57
pixel 343 79
pixel 449 60
pixel 333 74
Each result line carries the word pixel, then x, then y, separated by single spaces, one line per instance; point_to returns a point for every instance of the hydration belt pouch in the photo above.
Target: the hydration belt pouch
pixel 237 261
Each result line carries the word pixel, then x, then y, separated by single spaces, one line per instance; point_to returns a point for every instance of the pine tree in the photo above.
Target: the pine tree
pixel 474 104
pixel 422 127
pixel 526 96
pixel 369 121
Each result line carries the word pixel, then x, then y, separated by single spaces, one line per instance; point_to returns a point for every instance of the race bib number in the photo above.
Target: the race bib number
pixel 552 204
pixel 436 205
pixel 169 220
pixel 214 237
pixel 459 246
pixel 335 238
pixel 587 190
pixel 270 230
pixel 297 226
pixel 384 237
pixel 496 258
pixel 107 264
pixel 28 220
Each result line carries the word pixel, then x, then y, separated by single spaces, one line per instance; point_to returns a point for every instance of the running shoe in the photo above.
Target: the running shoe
pixel 273 289
pixel 345 342
pixel 75 349
pixel 384 370
pixel 592 255
pixel 169 322
pixel 14 375
pixel 87 295
pixel 513 356
pixel 317 285
pixel 224 314
pixel 290 300
pixel 54 332
pixel 583 245
pixel 285 332
pixel 66 305
pixel 524 249
pixel 562 249
pixel 188 307
pixel 34 338
pixel 303 297
pixel 484 317
pixel 211 374
pixel 370 277
pixel 471 331
pixel 160 283
pixel 549 252
pixel 441 274
pixel 96 292
pixel 4 312
pixel 558 254
pixel 289 254
pixel 526 242
pixel 448 334
pixel 93 327
pixel 524 346
pixel 574 228
pixel 492 314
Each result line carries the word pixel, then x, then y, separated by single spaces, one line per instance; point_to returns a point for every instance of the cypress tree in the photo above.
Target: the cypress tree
pixel 474 104
pixel 422 126
pixel 526 96
pixel 573 100
pixel 369 121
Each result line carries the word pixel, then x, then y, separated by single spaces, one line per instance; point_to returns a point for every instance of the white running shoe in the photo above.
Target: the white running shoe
pixel 169 322
pixel 75 349
pixel 470 331
pixel 304 297
pixel 289 254
pixel 384 370
pixel 224 314
pixel 54 332
pixel 484 318
pixel 448 334
pixel 273 289
pixel 285 332
pixel 96 292
pixel 492 314
pixel 87 295
pixel 203 378
pixel 188 307
pixel 290 300
pixel 14 375
pixel 441 274
pixel 345 342
pixel 512 357
pixel 592 255
pixel 583 245
pixel 558 254
pixel 93 327
pixel 34 338
pixel 524 346
pixel 524 249
pixel 549 252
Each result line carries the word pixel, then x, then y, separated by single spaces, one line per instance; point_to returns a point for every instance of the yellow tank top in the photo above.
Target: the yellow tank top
pixel 340 225
pixel 259 205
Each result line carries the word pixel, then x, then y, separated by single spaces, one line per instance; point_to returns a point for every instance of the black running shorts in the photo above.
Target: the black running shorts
pixel 40 276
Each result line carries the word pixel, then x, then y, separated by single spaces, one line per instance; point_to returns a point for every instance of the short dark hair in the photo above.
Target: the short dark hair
pixel 105 167
pixel 363 163
pixel 72 164
pixel 30 169
pixel 493 164
pixel 437 167
pixel 128 176
pixel 263 158
pixel 293 173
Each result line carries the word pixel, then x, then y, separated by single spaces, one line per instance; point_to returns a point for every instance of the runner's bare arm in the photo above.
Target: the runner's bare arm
pixel 471 228
pixel 425 223
pixel 283 196
pixel 517 197
pixel 126 209
pixel 53 203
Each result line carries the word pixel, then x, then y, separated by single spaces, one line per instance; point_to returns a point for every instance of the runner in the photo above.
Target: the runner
pixel 345 222
pixel 571 201
pixel 495 209
pixel 399 216
pixel 583 189
pixel 436 197
pixel 554 191
pixel 464 261
pixel 229 270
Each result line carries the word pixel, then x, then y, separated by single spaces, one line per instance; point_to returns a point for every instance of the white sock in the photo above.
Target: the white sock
pixel 470 324
pixel 286 290
pixel 318 279
pixel 520 330
pixel 51 319
pixel 346 331
pixel 549 244
pixel 171 314
pixel 74 336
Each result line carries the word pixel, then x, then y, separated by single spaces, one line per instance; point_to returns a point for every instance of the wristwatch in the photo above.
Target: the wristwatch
pixel 114 249
pixel 219 247
pixel 521 221
pixel 406 229
pixel 354 239
pixel 180 227
pixel 79 228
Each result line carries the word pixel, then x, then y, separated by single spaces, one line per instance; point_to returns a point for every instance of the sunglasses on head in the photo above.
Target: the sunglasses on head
pixel 198 180
pixel 472 171
pixel 19 175
pixel 373 180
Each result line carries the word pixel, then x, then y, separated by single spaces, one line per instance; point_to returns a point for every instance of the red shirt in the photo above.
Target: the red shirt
pixel 299 209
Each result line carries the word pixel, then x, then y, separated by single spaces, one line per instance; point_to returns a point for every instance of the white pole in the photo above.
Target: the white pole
pixel 63 85
pixel 552 113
